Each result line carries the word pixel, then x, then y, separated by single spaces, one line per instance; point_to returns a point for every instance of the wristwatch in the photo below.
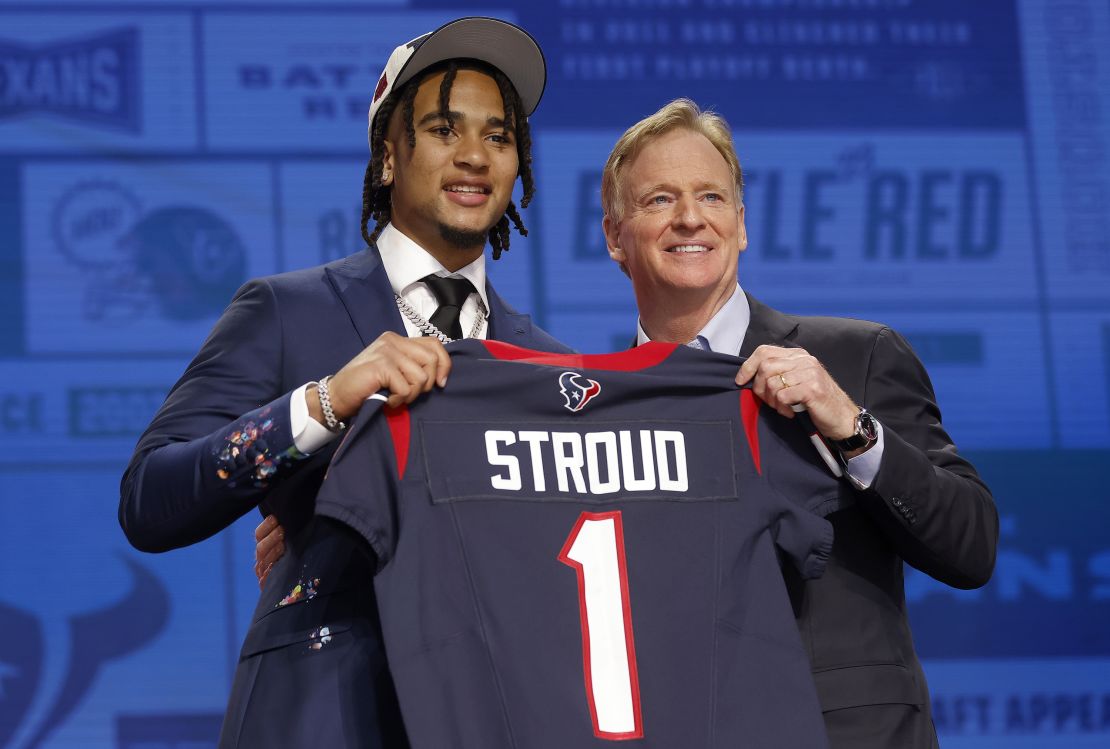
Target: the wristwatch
pixel 867 431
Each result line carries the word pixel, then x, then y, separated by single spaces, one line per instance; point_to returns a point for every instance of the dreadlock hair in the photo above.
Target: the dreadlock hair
pixel 376 196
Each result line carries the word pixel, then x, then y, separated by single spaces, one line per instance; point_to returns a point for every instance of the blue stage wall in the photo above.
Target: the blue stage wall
pixel 940 165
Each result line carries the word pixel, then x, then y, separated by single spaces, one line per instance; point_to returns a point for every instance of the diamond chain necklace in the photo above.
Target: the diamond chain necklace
pixel 428 329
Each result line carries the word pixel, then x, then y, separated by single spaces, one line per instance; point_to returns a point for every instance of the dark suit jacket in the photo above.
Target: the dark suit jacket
pixel 221 445
pixel 927 506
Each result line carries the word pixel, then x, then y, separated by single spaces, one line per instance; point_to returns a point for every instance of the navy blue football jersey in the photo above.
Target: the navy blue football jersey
pixel 574 550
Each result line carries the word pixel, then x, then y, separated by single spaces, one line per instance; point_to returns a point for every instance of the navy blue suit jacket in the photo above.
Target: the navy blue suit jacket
pixel 221 445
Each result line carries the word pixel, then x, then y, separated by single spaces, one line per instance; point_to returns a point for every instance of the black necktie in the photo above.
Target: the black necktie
pixel 451 293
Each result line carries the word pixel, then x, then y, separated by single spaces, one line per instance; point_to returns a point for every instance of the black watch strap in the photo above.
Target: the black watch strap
pixel 867 431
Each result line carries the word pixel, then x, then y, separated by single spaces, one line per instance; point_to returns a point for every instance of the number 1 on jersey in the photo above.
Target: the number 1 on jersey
pixel 595 549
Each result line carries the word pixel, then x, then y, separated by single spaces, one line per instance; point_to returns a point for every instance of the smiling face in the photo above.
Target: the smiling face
pixel 682 228
pixel 455 184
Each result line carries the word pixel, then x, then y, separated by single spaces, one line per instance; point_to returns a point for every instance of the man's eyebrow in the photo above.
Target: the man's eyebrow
pixel 660 187
pixel 498 122
pixel 666 187
pixel 435 114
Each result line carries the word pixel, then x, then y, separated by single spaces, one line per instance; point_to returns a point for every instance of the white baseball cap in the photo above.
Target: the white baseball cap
pixel 507 47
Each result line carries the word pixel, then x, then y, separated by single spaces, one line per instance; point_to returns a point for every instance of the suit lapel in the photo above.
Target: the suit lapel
pixel 767 326
pixel 362 286
pixel 505 323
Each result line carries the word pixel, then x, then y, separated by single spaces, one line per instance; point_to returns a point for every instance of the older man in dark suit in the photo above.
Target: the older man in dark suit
pixel 674 221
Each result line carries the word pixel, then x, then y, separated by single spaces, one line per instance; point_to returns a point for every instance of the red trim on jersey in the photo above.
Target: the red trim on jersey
pixel 641 357
pixel 749 415
pixel 399 429
pixel 626 606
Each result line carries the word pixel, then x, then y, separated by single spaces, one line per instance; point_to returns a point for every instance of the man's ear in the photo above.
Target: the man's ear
pixel 612 239
pixel 387 162
pixel 743 230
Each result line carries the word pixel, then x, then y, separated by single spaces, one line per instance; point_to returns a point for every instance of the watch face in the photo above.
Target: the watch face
pixel 865 424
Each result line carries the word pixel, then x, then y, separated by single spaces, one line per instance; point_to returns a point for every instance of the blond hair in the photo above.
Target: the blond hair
pixel 678 114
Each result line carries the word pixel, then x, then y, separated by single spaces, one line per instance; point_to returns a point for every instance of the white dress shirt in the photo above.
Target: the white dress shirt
pixel 725 333
pixel 405 263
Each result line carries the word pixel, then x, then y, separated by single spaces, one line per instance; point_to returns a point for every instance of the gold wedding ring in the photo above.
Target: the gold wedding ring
pixel 782 379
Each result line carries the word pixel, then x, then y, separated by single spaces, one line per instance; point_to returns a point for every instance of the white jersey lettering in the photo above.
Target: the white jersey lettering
pixel 511 482
pixel 602 445
pixel 676 482
pixel 568 462
pixel 594 463
pixel 628 463
pixel 534 439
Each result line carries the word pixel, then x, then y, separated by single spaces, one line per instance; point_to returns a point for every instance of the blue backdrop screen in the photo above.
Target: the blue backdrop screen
pixel 941 166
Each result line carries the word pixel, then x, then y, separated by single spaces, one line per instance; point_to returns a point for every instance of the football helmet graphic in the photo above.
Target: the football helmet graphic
pixel 182 262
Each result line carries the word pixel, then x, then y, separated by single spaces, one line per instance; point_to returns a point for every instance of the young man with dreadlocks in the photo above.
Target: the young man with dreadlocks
pixel 249 425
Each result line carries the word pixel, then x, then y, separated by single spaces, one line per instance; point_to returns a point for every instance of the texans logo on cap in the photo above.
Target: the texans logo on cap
pixel 383 83
pixel 397 62
pixel 577 390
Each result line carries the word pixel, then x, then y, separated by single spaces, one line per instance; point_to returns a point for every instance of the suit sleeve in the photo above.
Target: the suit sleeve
pixel 222 438
pixel 937 512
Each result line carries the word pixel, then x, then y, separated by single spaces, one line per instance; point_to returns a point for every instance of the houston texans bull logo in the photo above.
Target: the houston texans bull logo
pixel 96 638
pixel 577 390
